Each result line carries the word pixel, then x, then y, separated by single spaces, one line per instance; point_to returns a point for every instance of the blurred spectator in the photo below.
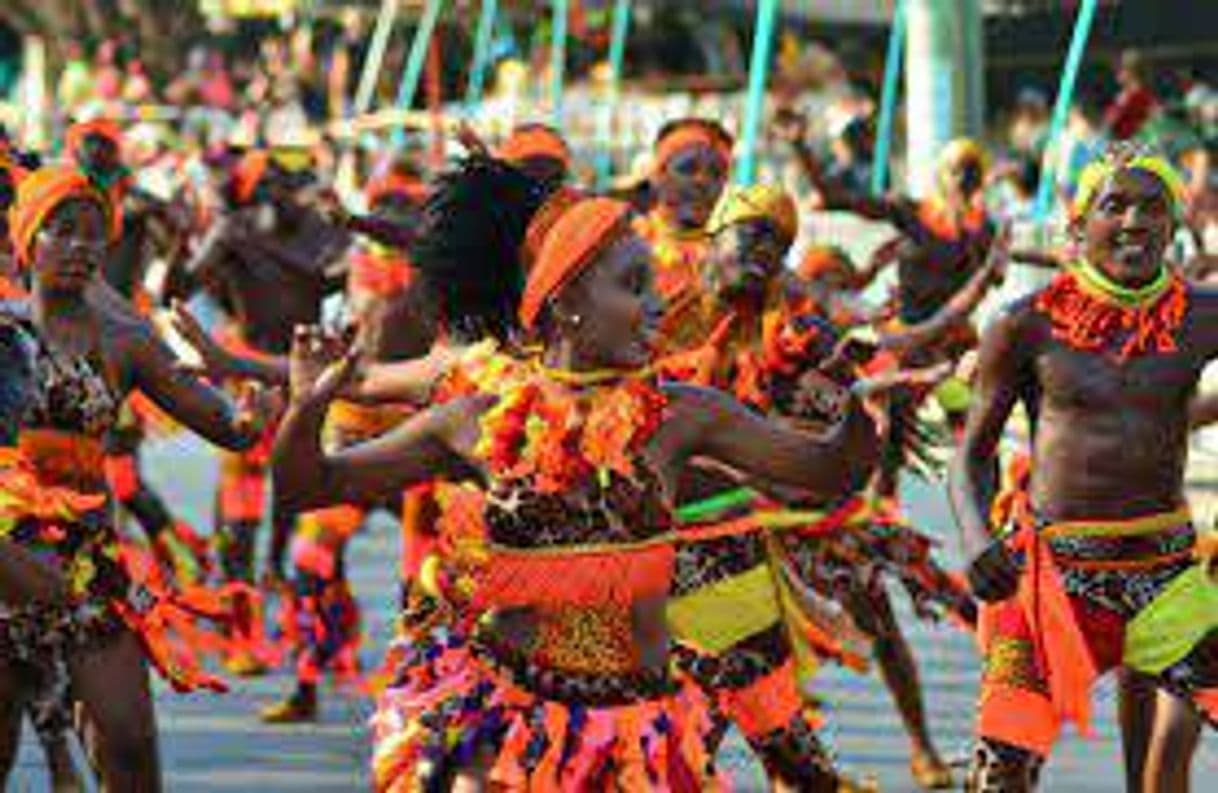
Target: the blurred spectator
pixel 136 87
pixel 76 81
pixel 108 80
pixel 1030 123
pixel 1081 141
pixel 1136 101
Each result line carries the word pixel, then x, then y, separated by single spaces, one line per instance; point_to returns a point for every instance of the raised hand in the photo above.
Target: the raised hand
pixel 320 364
pixel 214 361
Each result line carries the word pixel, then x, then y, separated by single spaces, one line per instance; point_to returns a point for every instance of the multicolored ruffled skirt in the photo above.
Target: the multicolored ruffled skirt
pixel 454 701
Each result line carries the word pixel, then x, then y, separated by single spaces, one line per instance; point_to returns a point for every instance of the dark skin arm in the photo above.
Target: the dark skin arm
pixel 1203 411
pixel 1002 364
pixel 152 368
pixel 26 580
pixel 822 465
pixel 961 304
pixel 792 128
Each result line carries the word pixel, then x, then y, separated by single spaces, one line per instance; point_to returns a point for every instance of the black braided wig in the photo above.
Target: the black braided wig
pixel 468 249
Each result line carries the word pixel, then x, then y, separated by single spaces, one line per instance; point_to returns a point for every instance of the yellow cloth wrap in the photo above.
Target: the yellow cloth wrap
pixel 1173 623
pixel 719 616
pixel 757 202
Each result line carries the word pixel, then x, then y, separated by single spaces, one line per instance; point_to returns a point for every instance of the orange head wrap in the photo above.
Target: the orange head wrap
pixel 248 173
pixel 543 220
pixel 821 260
pixel 534 140
pixel 581 233
pixel 74 139
pixel 413 189
pixel 679 135
pixel 38 195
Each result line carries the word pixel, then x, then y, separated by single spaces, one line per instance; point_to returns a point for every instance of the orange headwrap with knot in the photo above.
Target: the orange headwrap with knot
pixel 688 132
pixel 248 173
pixel 413 189
pixel 543 220
pixel 821 260
pixel 534 140
pixel 582 232
pixel 38 195
pixel 74 139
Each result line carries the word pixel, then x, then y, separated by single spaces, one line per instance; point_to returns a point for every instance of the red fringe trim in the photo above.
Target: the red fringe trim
pixel 572 578
pixel 1085 322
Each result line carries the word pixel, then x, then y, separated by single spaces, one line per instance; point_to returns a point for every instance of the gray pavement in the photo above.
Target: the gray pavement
pixel 215 743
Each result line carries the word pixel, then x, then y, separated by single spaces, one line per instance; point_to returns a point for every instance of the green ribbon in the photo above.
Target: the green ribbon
pixel 700 511
pixel 1128 296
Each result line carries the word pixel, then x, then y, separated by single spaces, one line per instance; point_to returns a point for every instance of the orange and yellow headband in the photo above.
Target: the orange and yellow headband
pixel 534 141
pixel 693 133
pixel 1097 173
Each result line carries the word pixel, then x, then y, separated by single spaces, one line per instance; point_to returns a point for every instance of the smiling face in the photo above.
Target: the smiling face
pixel 611 313
pixel 1127 227
pixel 689 185
pixel 69 248
pixel 745 259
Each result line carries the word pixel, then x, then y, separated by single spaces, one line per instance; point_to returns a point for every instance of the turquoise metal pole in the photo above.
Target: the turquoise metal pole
pixel 1065 94
pixel 558 61
pixel 763 44
pixel 376 54
pixel 888 100
pixel 413 70
pixel 482 55
pixel 617 53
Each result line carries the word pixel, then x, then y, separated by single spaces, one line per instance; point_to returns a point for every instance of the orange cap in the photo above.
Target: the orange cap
pixel 248 174
pixel 582 232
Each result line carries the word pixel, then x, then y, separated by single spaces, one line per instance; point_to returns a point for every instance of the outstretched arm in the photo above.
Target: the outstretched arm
pixel 792 127
pixel 824 465
pixel 422 448
pixel 961 304
pixel 204 409
pixel 971 486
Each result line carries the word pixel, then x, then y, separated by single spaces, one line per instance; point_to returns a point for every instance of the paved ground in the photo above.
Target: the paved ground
pixel 214 743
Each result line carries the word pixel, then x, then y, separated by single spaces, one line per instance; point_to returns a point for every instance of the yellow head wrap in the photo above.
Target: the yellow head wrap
pixel 959 149
pixel 1099 171
pixel 758 202
pixel 38 195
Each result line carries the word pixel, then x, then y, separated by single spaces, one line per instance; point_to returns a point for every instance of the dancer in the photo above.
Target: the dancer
pixel 87 357
pixel 690 165
pixel 947 235
pixel 1093 574
pixel 394 322
pixel 758 347
pixel 96 148
pixel 590 506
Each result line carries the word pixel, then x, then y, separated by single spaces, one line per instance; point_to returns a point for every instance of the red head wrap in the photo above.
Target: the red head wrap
pixel 74 139
pixel 413 189
pixel 680 135
pixel 820 260
pixel 248 173
pixel 38 195
pixel 582 233
pixel 534 140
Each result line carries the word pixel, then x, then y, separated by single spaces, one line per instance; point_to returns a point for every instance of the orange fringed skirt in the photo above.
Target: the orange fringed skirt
pixel 547 729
